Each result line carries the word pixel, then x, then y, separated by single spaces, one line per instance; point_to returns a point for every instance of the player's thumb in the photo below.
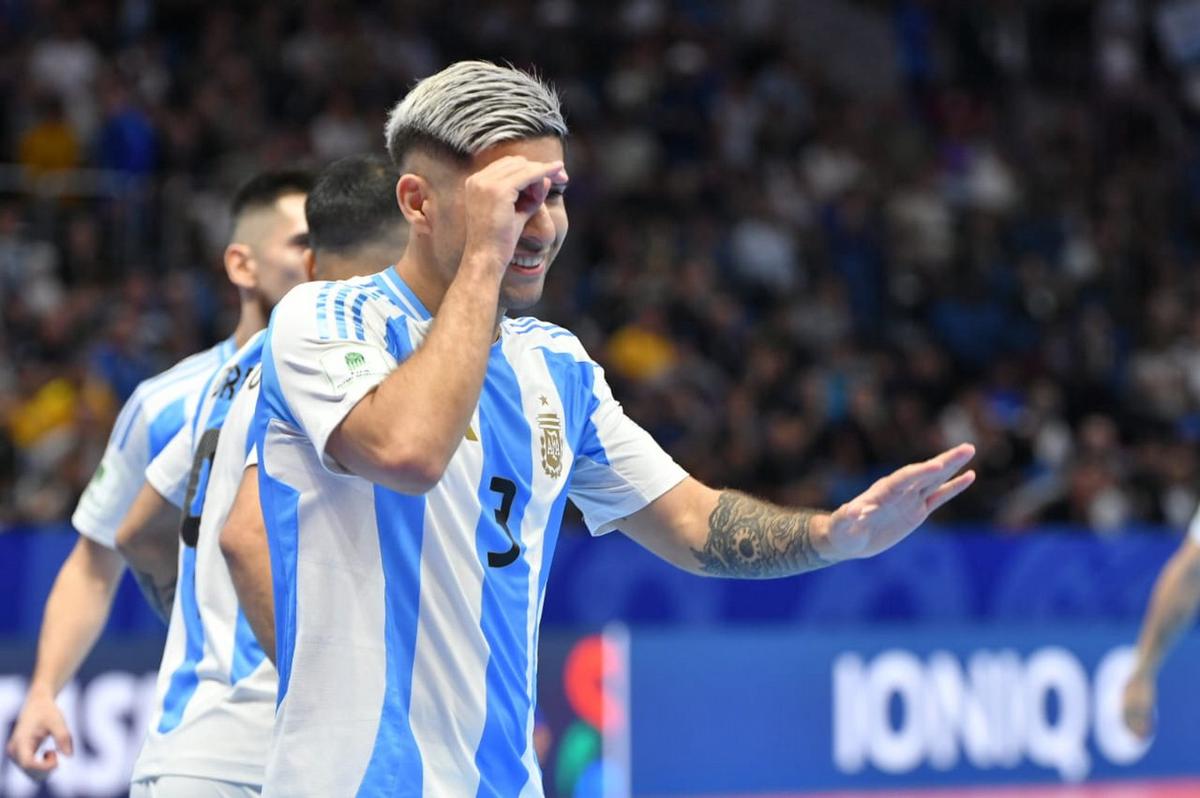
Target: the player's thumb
pixel 62 736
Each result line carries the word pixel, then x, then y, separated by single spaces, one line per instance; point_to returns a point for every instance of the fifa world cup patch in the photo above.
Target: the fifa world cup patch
pixel 349 362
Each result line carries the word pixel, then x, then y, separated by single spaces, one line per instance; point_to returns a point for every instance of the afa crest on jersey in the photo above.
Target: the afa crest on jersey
pixel 551 426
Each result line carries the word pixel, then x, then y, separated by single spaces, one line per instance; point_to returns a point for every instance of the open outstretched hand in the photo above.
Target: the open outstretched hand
pixel 888 511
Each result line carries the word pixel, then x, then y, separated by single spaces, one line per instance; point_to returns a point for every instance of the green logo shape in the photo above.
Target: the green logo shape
pixel 355 361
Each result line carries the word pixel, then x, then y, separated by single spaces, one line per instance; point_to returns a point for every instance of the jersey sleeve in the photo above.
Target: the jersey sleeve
pixel 117 479
pixel 1193 530
pixel 168 471
pixel 328 348
pixel 619 468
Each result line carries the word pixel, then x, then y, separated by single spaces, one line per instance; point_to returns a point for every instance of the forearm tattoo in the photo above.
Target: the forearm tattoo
pixel 752 539
pixel 160 597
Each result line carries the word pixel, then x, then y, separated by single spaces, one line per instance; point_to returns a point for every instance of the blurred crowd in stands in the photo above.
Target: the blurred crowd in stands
pixel 811 241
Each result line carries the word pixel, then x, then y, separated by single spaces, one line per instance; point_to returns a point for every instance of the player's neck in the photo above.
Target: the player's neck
pixel 431 292
pixel 251 320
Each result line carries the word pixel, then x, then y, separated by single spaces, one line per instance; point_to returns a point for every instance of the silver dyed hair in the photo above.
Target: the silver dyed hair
pixel 470 106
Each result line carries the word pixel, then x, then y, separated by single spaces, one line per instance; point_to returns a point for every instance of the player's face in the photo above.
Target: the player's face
pixel 279 253
pixel 542 237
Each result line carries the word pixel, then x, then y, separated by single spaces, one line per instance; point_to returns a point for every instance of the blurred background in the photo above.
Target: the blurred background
pixel 812 240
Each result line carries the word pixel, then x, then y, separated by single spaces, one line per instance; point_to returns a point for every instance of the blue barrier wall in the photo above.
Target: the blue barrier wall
pixel 943 575
pixel 961 657
pixel 759 710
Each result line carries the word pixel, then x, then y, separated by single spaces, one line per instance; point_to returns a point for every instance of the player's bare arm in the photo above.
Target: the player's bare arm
pixel 148 539
pixel 727 533
pixel 244 545
pixel 1172 609
pixel 403 434
pixel 76 611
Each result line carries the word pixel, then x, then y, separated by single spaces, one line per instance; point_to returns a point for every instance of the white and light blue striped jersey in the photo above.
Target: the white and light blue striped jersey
pixel 407 626
pixel 215 698
pixel 151 417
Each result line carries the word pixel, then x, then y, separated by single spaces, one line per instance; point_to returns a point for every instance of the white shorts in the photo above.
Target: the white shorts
pixel 191 787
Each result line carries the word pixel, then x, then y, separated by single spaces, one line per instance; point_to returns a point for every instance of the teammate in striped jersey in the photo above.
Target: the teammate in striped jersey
pixel 81 598
pixel 215 702
pixel 416 450
pixel 355 228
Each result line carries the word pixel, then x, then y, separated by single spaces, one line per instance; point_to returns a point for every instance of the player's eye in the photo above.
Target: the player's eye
pixel 556 192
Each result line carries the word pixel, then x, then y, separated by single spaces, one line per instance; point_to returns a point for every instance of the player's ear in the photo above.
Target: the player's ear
pixel 310 264
pixel 415 198
pixel 239 266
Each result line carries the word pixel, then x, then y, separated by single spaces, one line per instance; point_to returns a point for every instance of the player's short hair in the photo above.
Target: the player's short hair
pixel 470 106
pixel 353 204
pixel 266 188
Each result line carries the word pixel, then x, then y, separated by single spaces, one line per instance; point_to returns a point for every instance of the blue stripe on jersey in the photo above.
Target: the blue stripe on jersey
pixel 523 323
pixel 578 405
pixel 339 311
pixel 507 454
pixel 184 680
pixel 389 283
pixel 270 395
pixel 575 381
pixel 129 411
pixel 166 425
pixel 172 377
pixel 322 321
pixel 247 653
pixel 395 755
pixel 195 420
pixel 408 293
pixel 589 443
pixel 528 323
pixel 385 287
pixel 281 502
pixel 395 764
pixel 359 332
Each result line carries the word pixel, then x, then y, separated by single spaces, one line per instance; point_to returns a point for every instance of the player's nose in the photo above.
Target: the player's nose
pixel 539 232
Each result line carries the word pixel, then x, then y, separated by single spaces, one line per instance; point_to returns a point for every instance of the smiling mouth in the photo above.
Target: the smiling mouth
pixel 528 264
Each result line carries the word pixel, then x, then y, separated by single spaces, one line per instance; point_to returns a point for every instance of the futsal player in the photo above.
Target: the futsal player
pixel 1172 610
pixel 81 599
pixel 215 702
pixel 416 449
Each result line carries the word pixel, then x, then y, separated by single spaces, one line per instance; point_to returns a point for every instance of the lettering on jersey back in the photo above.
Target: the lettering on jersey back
pixel 233 378
pixel 189 523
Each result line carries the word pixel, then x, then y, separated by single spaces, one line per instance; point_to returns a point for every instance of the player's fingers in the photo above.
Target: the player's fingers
pixel 1138 722
pixel 23 748
pixel 62 737
pixel 521 173
pixel 910 476
pixel 949 490
pixel 40 767
pixel 945 465
pixel 532 196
